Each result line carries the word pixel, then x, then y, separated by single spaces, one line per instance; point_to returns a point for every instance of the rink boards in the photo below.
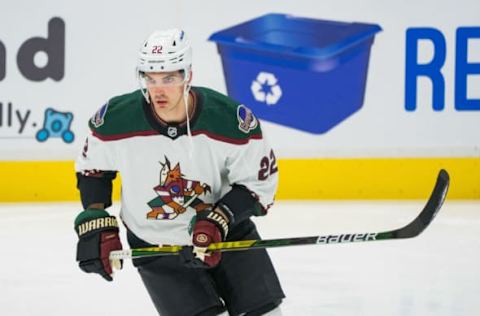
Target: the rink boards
pixel 374 178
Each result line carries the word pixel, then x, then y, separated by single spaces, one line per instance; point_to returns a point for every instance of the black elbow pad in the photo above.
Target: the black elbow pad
pixel 241 203
pixel 96 187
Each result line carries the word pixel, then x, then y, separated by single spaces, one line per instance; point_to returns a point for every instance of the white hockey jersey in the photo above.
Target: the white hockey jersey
pixel 167 178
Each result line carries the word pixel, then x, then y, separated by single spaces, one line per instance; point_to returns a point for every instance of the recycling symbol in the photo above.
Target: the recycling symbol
pixel 265 88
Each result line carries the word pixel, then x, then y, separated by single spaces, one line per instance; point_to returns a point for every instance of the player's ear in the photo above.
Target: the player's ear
pixel 190 77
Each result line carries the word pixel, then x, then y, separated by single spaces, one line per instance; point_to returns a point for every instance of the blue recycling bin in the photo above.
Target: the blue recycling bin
pixel 303 73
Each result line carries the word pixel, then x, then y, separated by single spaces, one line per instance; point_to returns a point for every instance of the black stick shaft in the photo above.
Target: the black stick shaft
pixel 413 229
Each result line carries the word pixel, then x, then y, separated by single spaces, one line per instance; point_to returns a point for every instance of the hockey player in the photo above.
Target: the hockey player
pixel 195 167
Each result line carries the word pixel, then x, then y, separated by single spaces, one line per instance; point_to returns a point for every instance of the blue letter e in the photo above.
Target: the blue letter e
pixel 463 68
pixel 430 70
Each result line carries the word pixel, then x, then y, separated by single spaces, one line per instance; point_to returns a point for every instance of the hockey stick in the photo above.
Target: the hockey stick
pixel 413 229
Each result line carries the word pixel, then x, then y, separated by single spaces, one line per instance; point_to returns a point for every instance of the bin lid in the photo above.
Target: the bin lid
pixel 288 34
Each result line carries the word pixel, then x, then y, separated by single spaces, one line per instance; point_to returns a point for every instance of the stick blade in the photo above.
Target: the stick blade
pixel 434 203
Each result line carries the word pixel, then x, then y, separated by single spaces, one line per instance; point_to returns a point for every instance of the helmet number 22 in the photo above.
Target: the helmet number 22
pixel 268 166
pixel 157 49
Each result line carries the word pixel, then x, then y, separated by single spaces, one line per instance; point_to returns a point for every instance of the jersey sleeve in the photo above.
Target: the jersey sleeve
pixel 95 170
pixel 96 155
pixel 253 174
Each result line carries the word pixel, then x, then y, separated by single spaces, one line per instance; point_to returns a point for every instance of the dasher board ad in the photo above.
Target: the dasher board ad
pixel 346 79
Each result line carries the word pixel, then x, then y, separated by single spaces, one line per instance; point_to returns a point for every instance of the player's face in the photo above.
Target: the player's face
pixel 165 89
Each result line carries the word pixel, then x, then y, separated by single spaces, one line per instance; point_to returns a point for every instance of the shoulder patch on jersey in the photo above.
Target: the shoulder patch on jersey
pixel 98 119
pixel 246 120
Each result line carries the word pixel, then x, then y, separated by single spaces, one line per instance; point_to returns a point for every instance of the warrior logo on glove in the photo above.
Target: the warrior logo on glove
pixel 175 194
pixel 201 238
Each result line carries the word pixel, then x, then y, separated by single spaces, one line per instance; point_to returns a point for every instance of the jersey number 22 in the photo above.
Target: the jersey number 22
pixel 268 166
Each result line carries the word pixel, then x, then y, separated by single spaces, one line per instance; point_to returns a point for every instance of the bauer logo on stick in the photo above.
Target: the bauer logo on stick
pixel 331 239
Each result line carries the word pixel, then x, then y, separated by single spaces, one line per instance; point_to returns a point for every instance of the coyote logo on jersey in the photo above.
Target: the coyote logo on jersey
pixel 175 194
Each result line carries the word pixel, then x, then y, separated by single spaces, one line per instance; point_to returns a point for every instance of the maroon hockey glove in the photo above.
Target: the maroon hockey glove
pixel 98 236
pixel 211 226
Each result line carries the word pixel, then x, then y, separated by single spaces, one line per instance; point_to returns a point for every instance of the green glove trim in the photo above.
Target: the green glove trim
pixel 90 213
pixel 93 220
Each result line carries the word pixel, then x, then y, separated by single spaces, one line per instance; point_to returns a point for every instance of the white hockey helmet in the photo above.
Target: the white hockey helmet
pixel 165 51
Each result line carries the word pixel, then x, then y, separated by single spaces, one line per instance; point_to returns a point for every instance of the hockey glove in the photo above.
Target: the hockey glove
pixel 98 235
pixel 211 226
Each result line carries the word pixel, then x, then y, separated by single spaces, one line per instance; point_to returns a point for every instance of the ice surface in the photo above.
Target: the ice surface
pixel 437 273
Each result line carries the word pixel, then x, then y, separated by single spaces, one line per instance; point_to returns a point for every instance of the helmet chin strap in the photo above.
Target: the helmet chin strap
pixel 142 88
pixel 186 90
